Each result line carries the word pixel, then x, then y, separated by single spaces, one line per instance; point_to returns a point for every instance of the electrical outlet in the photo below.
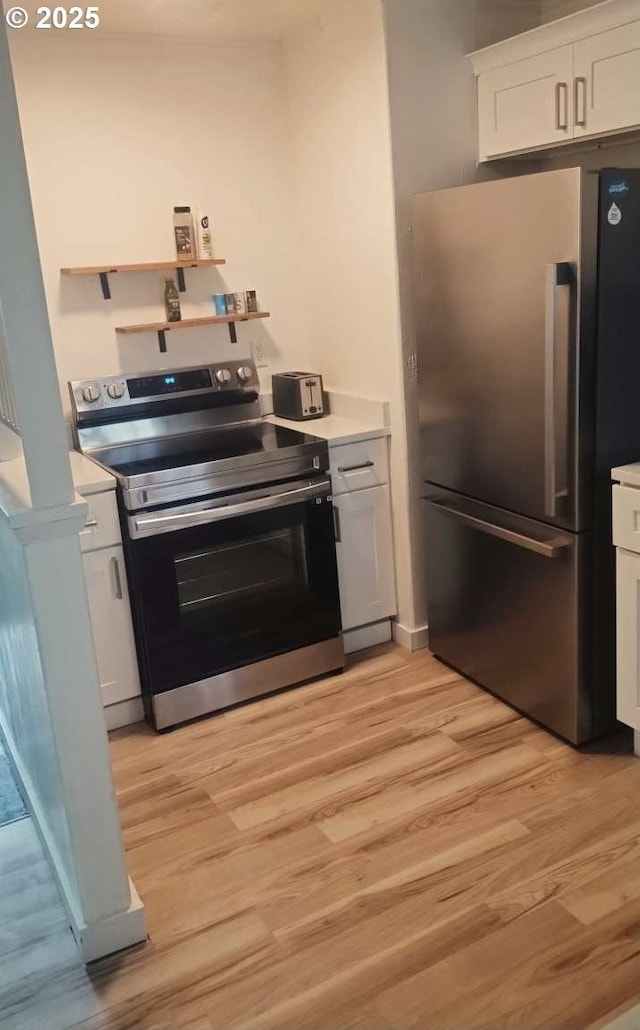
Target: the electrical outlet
pixel 259 356
pixel 412 368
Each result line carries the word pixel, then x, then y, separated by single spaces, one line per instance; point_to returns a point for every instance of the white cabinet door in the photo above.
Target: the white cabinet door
pixel 628 630
pixel 526 104
pixel 607 81
pixel 365 556
pixel 111 620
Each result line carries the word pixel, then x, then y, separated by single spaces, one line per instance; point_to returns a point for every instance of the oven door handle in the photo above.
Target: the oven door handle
pixel 150 525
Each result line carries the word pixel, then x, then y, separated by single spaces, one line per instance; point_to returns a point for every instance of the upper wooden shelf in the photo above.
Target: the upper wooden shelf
pixel 147 266
pixel 189 323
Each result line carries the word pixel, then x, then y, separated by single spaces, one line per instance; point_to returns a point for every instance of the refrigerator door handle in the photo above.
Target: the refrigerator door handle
pixel 558 274
pixel 552 548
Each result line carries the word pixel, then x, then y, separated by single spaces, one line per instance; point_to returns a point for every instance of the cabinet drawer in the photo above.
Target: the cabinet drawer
pixel 356 466
pixel 103 524
pixel 626 518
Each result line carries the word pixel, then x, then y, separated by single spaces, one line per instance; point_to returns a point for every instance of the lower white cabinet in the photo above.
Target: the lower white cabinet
pixel 111 621
pixel 364 546
pixel 628 631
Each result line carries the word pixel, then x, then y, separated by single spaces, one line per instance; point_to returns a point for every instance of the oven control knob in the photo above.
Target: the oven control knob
pixel 223 376
pixel 91 394
pixel 244 373
pixel 116 391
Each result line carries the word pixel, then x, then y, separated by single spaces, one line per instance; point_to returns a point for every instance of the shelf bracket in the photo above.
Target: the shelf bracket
pixel 104 282
pixel 162 341
pixel 180 276
pixel 232 332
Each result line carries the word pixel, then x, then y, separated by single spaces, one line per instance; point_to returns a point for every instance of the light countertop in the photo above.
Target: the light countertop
pixel 627 474
pixel 88 476
pixel 335 429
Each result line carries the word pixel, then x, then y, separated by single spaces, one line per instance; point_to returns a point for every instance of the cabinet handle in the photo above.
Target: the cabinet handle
pixel 356 468
pixel 115 565
pixel 336 525
pixel 90 523
pixel 562 87
pixel 577 83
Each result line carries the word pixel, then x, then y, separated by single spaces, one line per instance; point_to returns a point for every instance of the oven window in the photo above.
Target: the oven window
pixel 263 565
pixel 223 595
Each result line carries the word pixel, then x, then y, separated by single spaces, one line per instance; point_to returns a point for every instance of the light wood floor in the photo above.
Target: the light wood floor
pixel 387 849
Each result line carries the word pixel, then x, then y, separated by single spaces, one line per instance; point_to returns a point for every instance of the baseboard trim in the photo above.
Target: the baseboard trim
pixel 124 713
pixel 95 940
pixel 411 639
pixel 367 636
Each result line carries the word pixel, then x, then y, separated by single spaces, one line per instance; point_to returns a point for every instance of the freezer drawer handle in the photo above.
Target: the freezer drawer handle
pixel 547 549
pixel 558 274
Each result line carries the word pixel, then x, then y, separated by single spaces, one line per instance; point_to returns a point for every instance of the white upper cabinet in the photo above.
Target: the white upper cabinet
pixel 607 81
pixel 526 104
pixel 574 78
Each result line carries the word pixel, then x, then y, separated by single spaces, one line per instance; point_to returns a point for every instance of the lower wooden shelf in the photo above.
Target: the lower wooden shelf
pixel 191 323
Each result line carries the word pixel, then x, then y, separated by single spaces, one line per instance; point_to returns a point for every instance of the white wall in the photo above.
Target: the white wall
pixel 434 134
pixel 609 154
pixel 116 133
pixel 432 93
pixel 552 9
pixel 500 19
pixel 339 116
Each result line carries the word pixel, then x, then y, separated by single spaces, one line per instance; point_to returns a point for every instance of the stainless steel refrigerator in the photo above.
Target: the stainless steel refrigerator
pixel 528 323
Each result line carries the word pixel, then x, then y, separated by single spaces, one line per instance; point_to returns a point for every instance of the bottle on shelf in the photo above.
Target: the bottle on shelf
pixel 172 301
pixel 184 233
pixel 204 238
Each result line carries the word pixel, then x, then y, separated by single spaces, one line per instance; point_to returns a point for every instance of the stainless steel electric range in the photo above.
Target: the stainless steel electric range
pixel 228 532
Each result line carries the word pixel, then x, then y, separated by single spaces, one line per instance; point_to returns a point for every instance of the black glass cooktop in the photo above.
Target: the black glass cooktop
pixel 143 458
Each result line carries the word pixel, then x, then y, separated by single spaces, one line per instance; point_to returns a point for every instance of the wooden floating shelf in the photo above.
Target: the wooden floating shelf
pixel 190 323
pixel 147 266
pixel 103 271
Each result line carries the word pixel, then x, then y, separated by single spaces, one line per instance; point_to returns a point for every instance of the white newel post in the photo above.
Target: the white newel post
pixel 51 715
pixel 26 322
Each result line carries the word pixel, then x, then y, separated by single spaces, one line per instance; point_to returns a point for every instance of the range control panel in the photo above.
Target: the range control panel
pixel 144 387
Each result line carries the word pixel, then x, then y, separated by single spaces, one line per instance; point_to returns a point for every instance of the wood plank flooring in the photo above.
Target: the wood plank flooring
pixel 388 849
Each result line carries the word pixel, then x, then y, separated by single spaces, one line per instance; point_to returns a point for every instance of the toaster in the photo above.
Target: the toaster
pixel 298 395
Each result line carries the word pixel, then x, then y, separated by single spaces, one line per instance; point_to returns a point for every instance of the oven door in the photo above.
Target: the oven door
pixel 227 582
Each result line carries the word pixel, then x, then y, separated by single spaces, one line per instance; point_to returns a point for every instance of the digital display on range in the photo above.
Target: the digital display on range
pixel 171 382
